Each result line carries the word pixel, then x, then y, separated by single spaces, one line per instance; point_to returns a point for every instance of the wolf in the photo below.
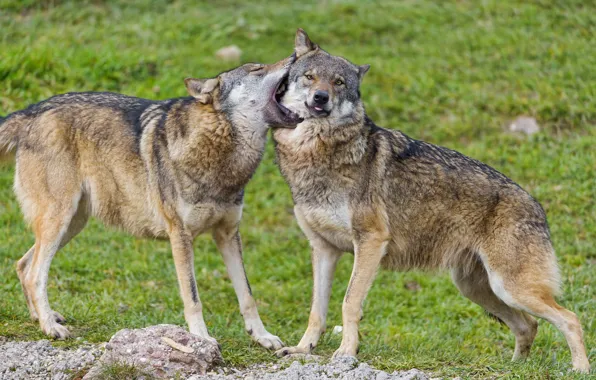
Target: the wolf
pixel 402 204
pixel 170 169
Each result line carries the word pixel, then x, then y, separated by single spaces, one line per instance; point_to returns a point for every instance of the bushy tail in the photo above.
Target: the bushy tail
pixel 9 127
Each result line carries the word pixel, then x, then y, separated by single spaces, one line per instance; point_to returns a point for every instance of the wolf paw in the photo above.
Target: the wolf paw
pixel 269 341
pixel 33 315
pixel 55 330
pixel 57 316
pixel 343 352
pixel 292 350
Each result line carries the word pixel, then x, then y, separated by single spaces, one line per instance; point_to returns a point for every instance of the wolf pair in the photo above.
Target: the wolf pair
pixel 153 169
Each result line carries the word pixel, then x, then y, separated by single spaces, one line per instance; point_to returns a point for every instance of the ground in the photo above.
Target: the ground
pixel 451 73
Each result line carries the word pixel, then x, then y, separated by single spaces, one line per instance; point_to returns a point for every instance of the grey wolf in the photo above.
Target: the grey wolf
pixel 168 169
pixel 403 204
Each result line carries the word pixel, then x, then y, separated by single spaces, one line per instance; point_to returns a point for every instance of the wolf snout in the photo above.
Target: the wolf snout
pixel 321 97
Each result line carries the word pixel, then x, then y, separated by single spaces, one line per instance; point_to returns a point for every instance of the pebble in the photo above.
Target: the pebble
pixel 230 53
pixel 525 124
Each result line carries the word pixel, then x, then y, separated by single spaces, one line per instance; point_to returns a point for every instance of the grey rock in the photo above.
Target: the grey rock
pixel 40 360
pixel 341 369
pixel 147 350
pixel 230 53
pixel 525 124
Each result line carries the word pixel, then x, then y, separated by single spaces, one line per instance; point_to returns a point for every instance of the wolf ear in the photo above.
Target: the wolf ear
pixel 362 70
pixel 303 44
pixel 201 89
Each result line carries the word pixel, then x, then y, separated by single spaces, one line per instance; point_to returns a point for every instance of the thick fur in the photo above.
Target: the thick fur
pixel 163 169
pixel 404 204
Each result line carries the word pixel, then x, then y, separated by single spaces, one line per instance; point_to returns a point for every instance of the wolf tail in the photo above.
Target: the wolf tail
pixel 9 133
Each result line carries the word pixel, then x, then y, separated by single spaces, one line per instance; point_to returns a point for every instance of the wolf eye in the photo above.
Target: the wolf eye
pixel 309 77
pixel 257 68
pixel 339 82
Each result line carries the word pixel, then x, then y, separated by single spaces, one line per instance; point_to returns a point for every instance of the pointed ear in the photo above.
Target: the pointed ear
pixel 201 89
pixel 303 44
pixel 362 70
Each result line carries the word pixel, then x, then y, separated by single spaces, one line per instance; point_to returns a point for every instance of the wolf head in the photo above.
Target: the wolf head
pixel 248 95
pixel 321 85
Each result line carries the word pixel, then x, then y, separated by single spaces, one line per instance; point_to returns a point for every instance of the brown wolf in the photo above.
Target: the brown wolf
pixel 165 169
pixel 405 204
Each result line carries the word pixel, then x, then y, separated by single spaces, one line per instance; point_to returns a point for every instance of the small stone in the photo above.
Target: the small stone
pixel 337 330
pixel 525 124
pixel 412 286
pixel 229 53
pixel 122 308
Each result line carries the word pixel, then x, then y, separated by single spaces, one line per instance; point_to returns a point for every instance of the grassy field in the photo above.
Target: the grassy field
pixel 452 73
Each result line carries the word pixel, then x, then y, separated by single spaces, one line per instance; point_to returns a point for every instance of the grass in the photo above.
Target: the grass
pixel 451 72
pixel 123 371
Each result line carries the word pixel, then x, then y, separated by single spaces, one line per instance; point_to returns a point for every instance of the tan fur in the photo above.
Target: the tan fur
pixel 404 204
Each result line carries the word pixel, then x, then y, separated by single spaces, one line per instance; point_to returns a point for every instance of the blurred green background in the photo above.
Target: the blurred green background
pixel 454 73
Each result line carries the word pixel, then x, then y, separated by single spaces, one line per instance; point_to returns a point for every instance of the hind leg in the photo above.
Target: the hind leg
pixel 530 286
pixel 475 286
pixel 51 231
pixel 541 303
pixel 22 269
pixel 77 223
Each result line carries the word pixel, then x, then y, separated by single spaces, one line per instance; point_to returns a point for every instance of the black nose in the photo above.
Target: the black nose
pixel 321 97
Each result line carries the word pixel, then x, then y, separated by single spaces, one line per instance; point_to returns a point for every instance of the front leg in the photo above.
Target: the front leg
pixel 228 242
pixel 182 251
pixel 324 261
pixel 368 252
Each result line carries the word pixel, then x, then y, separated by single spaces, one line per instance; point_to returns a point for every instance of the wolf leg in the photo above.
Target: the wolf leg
pixel 229 244
pixel 474 285
pixel 182 251
pixel 22 270
pixel 51 229
pixel 531 288
pixel 369 251
pixel 324 262
pixel 75 226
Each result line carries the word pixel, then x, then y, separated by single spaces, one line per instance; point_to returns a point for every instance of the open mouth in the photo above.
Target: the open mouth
pixel 289 118
pixel 317 111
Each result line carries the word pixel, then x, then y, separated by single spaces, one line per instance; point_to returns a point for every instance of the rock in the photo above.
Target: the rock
pixel 337 330
pixel 40 360
pixel 340 369
pixel 122 308
pixel 302 358
pixel 525 124
pixel 162 351
pixel 230 53
pixel 412 286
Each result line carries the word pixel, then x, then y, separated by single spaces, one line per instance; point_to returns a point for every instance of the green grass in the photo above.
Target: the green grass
pixel 451 72
pixel 123 371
